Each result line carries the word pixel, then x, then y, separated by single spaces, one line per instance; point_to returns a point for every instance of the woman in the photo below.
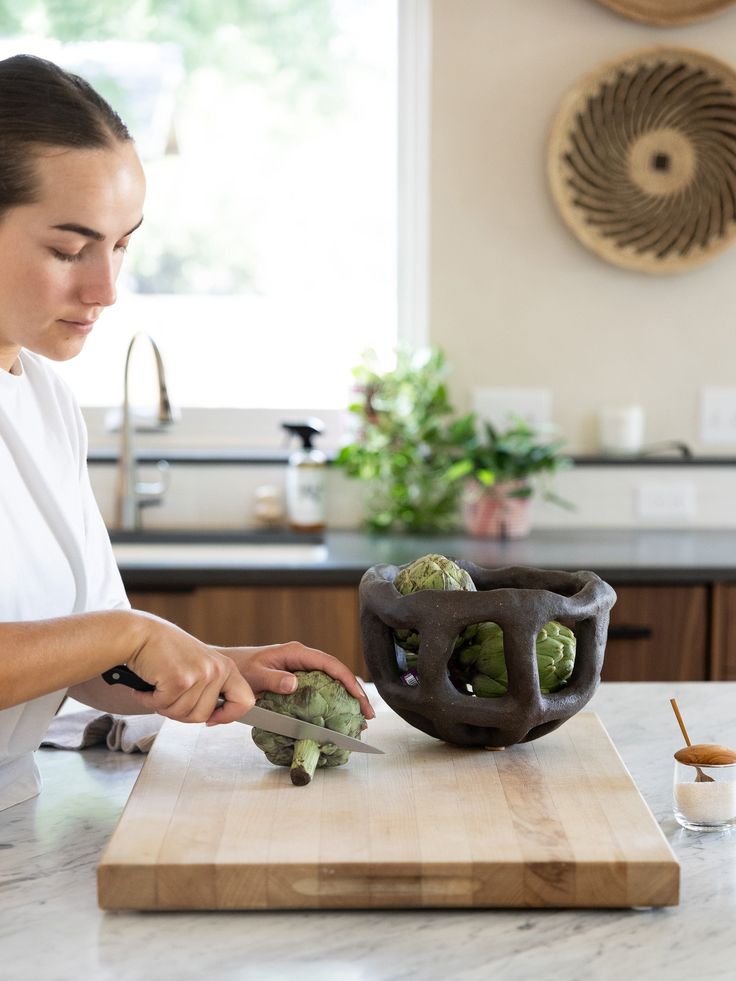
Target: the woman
pixel 71 196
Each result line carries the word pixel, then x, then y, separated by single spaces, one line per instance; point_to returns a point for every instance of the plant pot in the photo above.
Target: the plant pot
pixel 491 512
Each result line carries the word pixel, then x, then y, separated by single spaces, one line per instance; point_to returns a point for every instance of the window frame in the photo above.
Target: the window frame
pixel 226 429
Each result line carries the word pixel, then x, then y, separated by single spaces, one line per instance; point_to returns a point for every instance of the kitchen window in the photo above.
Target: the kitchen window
pixel 267 261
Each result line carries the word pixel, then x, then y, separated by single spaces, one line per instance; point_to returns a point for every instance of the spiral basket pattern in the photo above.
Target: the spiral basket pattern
pixel 642 160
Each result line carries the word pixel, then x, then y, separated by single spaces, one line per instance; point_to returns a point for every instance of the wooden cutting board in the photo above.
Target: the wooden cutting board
pixel 210 824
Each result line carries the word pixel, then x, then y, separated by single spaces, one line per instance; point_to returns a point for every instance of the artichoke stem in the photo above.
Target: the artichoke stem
pixel 306 757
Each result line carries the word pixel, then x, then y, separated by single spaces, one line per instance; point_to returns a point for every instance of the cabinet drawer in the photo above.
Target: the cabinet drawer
pixel 658 633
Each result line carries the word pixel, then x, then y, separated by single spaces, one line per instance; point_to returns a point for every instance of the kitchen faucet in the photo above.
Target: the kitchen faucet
pixel 133 495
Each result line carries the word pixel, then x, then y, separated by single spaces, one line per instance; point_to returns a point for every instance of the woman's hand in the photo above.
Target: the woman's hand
pixel 189 676
pixel 269 669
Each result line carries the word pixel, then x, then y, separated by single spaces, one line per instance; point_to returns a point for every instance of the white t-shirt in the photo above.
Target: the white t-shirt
pixel 55 553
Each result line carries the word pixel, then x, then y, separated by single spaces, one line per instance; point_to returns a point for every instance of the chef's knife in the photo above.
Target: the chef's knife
pixel 284 725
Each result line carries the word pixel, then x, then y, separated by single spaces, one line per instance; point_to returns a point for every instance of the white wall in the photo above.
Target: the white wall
pixel 514 298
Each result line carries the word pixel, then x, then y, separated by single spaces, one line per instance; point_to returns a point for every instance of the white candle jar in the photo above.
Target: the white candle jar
pixel 621 429
pixel 701 804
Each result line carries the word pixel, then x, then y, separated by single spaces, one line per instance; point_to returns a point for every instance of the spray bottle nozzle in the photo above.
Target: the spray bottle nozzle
pixel 305 430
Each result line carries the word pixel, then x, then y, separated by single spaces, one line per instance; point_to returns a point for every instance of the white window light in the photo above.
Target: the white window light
pixel 331 225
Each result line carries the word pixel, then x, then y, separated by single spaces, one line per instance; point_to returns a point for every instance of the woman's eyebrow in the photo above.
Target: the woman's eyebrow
pixel 90 232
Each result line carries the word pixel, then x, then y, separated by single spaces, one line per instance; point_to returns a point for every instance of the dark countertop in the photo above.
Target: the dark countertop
pixel 620 555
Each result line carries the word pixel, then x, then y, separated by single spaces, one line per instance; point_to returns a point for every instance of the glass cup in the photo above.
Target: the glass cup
pixel 702 804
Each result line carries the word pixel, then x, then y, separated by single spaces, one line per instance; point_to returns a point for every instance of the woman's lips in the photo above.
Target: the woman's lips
pixel 79 326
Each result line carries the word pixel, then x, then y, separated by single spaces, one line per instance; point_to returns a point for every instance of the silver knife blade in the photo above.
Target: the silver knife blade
pixel 287 725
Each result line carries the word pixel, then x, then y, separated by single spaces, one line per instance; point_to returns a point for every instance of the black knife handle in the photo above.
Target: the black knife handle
pixel 120 675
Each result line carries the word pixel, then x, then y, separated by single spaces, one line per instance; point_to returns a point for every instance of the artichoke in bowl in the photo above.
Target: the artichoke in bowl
pixel 430 572
pixel 483 665
pixel 318 699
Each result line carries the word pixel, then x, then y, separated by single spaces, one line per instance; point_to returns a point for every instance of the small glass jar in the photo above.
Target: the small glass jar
pixel 705 804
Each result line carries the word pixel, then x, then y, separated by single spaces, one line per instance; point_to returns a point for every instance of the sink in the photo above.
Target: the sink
pixel 212 549
pixel 214 536
pixel 215 555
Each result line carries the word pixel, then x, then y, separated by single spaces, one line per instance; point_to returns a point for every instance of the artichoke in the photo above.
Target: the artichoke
pixel 482 662
pixel 431 572
pixel 321 700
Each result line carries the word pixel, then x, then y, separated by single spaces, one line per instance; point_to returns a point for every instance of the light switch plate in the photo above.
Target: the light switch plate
pixel 499 405
pixel 718 415
pixel 672 501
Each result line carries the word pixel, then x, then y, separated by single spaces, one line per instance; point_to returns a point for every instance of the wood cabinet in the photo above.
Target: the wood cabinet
pixel 659 633
pixel 723 637
pixel 325 617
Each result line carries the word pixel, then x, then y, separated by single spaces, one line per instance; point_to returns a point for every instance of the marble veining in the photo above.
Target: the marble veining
pixel 52 930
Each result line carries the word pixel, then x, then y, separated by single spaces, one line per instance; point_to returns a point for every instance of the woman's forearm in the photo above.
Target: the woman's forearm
pixel 41 656
pixel 187 676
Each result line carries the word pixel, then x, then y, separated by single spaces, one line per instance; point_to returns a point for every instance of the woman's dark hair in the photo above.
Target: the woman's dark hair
pixel 41 105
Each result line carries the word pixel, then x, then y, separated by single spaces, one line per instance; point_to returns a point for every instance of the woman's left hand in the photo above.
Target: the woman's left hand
pixel 269 669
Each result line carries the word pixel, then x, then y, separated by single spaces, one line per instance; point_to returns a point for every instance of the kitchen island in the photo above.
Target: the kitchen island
pixel 51 928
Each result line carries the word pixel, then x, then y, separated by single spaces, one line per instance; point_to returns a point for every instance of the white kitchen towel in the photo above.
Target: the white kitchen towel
pixel 127 733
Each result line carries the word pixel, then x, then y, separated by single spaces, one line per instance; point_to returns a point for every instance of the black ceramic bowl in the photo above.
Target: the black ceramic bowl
pixel 520 600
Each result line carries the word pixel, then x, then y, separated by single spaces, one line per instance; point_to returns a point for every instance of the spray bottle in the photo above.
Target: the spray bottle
pixel 306 478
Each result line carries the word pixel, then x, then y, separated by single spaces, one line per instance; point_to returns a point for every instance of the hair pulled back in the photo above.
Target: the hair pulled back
pixel 42 105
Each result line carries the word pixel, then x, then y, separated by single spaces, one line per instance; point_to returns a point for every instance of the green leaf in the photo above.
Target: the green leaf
pixel 458 470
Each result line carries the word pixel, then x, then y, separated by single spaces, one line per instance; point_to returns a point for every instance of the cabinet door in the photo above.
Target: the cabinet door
pixel 178 606
pixel 325 617
pixel 723 638
pixel 658 633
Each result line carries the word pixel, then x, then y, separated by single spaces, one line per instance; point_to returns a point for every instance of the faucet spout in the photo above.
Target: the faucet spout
pixel 131 494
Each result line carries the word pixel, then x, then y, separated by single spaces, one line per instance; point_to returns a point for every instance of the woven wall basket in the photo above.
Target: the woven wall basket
pixel 666 12
pixel 642 159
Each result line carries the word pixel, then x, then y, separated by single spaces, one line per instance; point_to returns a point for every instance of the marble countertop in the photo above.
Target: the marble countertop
pixel 619 555
pixel 52 929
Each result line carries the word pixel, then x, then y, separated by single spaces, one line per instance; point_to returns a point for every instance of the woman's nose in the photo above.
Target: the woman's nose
pixel 98 284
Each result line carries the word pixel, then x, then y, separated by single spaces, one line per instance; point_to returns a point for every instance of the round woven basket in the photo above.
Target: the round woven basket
pixel 666 12
pixel 642 160
pixel 520 601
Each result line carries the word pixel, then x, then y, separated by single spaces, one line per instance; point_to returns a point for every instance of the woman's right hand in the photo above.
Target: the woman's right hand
pixel 189 676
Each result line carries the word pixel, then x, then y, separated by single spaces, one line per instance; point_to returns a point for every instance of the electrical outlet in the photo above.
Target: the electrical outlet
pixel 499 405
pixel 677 500
pixel 718 415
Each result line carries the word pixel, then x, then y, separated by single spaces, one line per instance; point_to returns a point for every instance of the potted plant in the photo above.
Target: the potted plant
pixel 403 443
pixel 500 470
